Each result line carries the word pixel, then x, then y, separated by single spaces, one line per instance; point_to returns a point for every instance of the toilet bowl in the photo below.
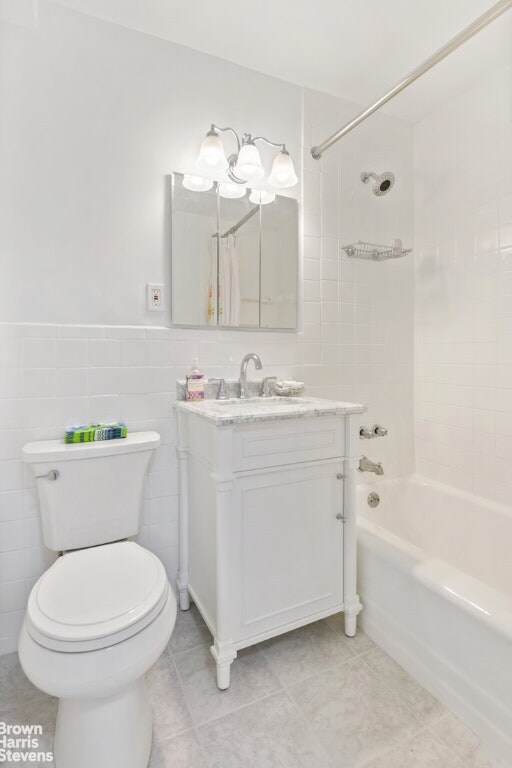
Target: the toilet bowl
pixel 93 654
pixel 101 615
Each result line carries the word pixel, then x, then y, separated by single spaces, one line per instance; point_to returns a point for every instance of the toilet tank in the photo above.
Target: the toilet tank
pixel 90 493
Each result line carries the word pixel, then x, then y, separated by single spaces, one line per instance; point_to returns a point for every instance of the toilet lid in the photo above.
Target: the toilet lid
pixel 96 597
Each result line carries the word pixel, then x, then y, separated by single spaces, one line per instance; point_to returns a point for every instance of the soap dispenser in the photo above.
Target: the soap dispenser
pixel 194 389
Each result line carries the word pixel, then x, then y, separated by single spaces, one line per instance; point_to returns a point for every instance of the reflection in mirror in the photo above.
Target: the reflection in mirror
pixel 234 263
pixel 239 262
pixel 194 254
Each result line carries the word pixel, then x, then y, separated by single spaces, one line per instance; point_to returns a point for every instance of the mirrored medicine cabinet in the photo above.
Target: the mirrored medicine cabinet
pixel 234 264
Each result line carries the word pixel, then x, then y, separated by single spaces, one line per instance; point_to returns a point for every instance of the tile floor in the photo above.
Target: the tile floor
pixel 308 699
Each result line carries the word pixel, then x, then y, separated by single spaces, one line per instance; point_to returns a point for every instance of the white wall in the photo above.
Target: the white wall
pixel 95 117
pixel 463 156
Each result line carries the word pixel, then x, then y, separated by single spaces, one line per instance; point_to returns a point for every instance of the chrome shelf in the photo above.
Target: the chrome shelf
pixel 375 252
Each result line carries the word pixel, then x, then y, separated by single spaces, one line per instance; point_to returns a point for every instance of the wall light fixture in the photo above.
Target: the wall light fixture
pixel 245 165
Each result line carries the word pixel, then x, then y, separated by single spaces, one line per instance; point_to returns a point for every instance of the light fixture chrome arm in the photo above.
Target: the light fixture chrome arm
pixel 282 147
pixel 214 127
pixel 482 21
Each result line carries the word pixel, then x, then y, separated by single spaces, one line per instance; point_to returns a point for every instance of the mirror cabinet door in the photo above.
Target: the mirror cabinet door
pixel 193 255
pixel 233 263
pixel 279 264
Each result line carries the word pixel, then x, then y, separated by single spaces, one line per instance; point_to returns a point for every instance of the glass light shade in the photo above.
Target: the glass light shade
pixel 248 165
pixel 211 155
pixel 231 190
pixel 283 172
pixel 197 183
pixel 262 196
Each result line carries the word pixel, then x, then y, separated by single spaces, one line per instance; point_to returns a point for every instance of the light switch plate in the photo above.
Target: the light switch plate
pixel 155 297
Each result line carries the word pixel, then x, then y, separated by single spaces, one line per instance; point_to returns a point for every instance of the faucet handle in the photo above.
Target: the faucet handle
pixel 265 389
pixel 365 433
pixel 221 392
pixel 379 431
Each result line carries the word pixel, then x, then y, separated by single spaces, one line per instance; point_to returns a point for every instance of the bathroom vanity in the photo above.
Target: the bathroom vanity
pixel 267 516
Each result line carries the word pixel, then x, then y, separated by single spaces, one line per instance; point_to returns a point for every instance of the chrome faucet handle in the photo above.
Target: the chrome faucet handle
pixel 265 388
pixel 379 431
pixel 366 434
pixel 221 392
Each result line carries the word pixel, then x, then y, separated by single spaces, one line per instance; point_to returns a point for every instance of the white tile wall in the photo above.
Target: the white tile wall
pixel 463 160
pixel 358 316
pixel 52 376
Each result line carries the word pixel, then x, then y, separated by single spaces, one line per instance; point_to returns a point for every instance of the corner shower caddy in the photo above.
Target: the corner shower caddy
pixel 374 252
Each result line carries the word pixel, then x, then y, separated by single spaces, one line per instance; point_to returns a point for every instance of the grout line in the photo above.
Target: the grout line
pixel 399 743
pixel 445 745
pixel 309 727
pixel 186 650
pixel 390 687
pixel 225 715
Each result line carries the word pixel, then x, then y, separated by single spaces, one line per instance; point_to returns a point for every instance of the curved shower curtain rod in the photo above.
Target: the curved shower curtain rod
pixel 494 11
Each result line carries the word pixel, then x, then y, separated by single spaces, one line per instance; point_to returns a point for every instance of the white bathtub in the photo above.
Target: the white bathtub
pixel 435 580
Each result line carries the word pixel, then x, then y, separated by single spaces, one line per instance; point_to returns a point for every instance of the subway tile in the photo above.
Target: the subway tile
pixel 103 409
pixel 11 503
pixel 72 382
pixel 104 353
pixel 133 352
pixel 160 353
pixel 39 353
pixel 72 411
pixel 72 353
pixel 11 536
pixel 104 381
pixel 10 475
pixel 38 382
pixel 133 380
pixel 12 595
pixel 12 567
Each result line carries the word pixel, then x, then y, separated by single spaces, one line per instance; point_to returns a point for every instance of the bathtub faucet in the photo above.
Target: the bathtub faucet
pixel 365 465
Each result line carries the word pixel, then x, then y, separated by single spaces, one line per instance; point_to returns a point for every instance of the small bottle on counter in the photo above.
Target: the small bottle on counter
pixel 194 389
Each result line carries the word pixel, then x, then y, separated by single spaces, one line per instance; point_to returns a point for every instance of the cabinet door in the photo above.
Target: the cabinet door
pixel 287 546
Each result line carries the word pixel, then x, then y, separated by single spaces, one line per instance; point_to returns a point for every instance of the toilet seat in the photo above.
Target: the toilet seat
pixel 96 597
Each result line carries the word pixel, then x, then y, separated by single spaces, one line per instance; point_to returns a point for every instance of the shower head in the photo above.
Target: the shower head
pixel 382 183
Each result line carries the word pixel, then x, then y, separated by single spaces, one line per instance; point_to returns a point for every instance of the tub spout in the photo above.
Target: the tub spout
pixel 366 465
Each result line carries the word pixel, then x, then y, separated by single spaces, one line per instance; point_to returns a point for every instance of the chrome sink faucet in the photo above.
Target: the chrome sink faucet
pixel 366 465
pixel 243 371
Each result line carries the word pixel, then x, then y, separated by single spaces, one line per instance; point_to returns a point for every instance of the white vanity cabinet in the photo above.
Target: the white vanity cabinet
pixel 267 521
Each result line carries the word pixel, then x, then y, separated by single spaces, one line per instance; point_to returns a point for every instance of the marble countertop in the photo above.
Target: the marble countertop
pixel 254 409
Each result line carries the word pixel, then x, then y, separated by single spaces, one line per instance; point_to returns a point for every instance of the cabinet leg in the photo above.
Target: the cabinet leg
pixel 224 655
pixel 223 675
pixel 350 626
pixel 352 608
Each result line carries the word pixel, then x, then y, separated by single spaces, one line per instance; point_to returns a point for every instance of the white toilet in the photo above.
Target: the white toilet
pixel 102 614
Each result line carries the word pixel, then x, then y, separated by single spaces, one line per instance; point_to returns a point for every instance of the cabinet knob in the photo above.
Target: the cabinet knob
pixel 339 516
pixel 340 476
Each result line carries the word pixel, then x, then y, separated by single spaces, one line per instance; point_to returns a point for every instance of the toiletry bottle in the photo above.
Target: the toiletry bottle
pixel 195 382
